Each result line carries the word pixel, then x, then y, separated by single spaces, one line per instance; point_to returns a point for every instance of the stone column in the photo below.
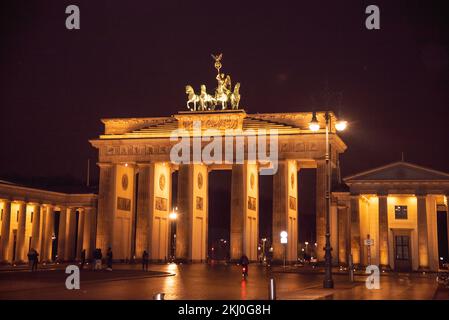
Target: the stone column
pixel 35 232
pixel 21 225
pixel 356 245
pixel 383 232
pixel 447 218
pixel 70 236
pixel 320 209
pixel 62 233
pixel 423 249
pixel 191 229
pixel 285 213
pixel 244 211
pixel 144 196
pixel 89 232
pixel 42 236
pixel 106 206
pixel 185 209
pixel 49 226
pixel 6 222
pixel 344 240
pixel 80 237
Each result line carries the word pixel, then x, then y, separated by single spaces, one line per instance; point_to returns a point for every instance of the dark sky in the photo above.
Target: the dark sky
pixel 133 59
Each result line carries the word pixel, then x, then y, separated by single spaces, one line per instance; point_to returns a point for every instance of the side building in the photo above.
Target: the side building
pixel 58 225
pixel 389 218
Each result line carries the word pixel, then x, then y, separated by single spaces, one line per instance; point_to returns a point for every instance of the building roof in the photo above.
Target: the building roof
pixel 399 171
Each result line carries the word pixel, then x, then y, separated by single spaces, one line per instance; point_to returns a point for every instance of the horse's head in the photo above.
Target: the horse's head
pixel 237 87
pixel 189 89
pixel 203 88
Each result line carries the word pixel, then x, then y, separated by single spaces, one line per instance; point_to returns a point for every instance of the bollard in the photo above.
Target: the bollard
pixel 351 269
pixel 272 290
pixel 159 296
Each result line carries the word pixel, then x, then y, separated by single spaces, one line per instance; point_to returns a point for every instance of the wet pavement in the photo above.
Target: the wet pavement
pixel 206 282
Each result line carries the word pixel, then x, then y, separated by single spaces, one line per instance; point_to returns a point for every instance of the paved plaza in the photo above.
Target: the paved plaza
pixel 208 282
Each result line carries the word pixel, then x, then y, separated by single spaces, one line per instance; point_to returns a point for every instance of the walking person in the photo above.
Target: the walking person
pixel 83 258
pixel 97 257
pixel 145 258
pixel 30 256
pixel 35 260
pixel 109 259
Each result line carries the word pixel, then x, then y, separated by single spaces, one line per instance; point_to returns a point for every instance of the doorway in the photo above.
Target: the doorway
pixel 402 252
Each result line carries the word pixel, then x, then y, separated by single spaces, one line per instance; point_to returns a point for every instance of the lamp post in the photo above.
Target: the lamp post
pixel 315 126
pixel 173 216
pixel 264 240
pixel 284 240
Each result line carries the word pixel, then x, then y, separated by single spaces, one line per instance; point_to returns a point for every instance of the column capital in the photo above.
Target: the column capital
pixel 105 164
pixel 382 195
pixel 143 164
pixel 4 200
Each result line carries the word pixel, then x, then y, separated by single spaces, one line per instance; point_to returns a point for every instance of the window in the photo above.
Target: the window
pixel 400 212
pixel 17 216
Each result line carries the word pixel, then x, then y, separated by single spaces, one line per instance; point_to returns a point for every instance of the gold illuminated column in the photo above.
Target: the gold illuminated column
pixel 320 209
pixel 70 237
pixel 357 253
pixel 285 213
pixel 344 241
pixel 89 231
pixel 383 232
pixel 143 207
pixel 153 206
pixel 423 249
pixel 20 251
pixel 106 206
pixel 447 218
pixel 62 233
pixel 244 210
pixel 49 226
pixel 35 231
pixel 191 228
pixel 80 233
pixel 6 221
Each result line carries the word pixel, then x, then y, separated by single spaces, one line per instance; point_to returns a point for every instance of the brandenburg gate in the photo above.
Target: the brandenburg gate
pixel 137 157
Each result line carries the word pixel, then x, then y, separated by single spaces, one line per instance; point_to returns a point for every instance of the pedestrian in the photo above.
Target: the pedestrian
pixel 30 256
pixel 83 258
pixel 35 260
pixel 97 258
pixel 109 259
pixel 145 259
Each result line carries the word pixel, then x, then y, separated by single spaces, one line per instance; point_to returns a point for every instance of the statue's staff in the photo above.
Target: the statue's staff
pixel 217 59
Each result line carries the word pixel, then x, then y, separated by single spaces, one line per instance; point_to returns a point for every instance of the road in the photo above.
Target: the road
pixel 204 282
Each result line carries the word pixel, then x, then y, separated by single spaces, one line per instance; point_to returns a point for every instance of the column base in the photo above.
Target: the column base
pixel 423 269
pixel 385 268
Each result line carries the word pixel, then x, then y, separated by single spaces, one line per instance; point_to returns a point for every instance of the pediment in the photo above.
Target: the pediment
pixel 399 171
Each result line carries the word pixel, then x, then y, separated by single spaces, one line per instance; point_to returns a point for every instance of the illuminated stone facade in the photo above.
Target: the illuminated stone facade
pixel 138 149
pixel 396 207
pixel 57 225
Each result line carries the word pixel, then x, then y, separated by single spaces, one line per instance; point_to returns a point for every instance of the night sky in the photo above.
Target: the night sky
pixel 133 59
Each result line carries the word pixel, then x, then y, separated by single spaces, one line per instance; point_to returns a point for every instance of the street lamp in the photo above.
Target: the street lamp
pixel 173 216
pixel 284 241
pixel 315 126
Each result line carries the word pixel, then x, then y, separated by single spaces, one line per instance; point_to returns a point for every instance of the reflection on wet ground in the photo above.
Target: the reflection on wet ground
pixel 202 281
